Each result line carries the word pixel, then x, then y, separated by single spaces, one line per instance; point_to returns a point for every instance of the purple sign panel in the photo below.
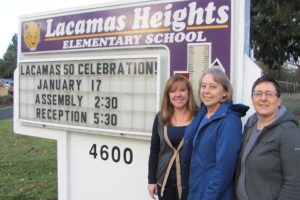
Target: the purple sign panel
pixel 170 25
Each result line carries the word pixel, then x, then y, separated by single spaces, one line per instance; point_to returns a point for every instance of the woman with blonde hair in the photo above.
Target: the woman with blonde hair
pixel 178 108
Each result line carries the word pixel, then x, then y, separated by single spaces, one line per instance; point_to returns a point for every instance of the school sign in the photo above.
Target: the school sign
pixel 92 79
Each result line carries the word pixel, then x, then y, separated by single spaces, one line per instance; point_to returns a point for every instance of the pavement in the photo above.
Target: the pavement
pixel 6 113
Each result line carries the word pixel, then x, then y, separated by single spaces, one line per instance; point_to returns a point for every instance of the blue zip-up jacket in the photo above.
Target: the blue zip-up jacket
pixel 208 165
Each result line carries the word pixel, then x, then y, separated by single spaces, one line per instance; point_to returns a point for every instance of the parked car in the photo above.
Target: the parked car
pixel 8 82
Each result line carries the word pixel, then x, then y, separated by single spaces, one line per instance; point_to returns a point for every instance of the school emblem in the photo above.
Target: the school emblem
pixel 32 35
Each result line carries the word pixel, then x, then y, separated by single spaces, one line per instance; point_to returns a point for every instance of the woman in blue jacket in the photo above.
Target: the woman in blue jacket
pixel 212 142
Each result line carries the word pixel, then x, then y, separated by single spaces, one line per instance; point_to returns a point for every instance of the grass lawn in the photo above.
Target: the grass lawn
pixel 27 166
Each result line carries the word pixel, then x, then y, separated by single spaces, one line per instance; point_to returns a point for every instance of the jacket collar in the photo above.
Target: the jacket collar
pixel 283 115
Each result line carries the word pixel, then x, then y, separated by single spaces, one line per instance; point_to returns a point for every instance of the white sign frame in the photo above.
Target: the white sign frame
pixel 92 129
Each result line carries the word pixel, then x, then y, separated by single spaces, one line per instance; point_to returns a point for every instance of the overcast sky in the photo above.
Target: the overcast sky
pixel 10 10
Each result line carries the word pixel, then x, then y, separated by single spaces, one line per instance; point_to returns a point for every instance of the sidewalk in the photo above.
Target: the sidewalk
pixel 6 113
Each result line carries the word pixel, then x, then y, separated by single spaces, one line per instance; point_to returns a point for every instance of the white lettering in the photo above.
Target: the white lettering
pixel 60 29
pixel 94 25
pixel 102 42
pixel 209 13
pixel 141 20
pixel 179 17
pixel 223 15
pixel 70 28
pixel 156 20
pixel 175 37
pixel 195 15
pixel 86 26
pixel 49 26
pixel 80 27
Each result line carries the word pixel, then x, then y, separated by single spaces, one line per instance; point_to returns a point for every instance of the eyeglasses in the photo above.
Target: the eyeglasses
pixel 268 94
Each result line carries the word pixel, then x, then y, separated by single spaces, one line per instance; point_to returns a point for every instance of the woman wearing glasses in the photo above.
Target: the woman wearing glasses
pixel 269 161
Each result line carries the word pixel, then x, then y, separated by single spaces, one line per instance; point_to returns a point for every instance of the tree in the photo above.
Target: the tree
pixel 275 33
pixel 9 61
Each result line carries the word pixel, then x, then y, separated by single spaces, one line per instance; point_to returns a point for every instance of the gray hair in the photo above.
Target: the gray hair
pixel 220 77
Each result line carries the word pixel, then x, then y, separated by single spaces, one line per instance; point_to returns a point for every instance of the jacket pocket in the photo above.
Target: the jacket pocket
pixel 268 140
pixel 274 187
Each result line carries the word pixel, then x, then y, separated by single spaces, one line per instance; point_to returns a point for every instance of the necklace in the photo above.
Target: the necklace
pixel 183 119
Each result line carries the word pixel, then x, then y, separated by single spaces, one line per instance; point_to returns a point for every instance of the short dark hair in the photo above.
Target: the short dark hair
pixel 266 78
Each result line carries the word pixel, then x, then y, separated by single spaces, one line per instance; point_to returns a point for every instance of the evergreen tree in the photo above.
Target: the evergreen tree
pixel 275 33
pixel 9 61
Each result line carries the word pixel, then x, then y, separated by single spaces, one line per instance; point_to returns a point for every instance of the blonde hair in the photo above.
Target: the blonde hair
pixel 167 108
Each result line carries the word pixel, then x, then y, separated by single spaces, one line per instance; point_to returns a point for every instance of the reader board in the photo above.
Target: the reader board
pixel 92 78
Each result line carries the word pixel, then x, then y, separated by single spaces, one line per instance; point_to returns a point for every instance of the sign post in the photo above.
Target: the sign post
pixel 92 79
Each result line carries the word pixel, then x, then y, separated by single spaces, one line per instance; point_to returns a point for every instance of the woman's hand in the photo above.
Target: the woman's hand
pixel 152 189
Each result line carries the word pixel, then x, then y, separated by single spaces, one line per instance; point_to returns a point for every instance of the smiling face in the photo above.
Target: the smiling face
pixel 178 95
pixel 265 100
pixel 211 93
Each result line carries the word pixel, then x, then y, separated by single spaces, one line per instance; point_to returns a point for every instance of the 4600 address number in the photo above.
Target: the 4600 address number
pixel 115 153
